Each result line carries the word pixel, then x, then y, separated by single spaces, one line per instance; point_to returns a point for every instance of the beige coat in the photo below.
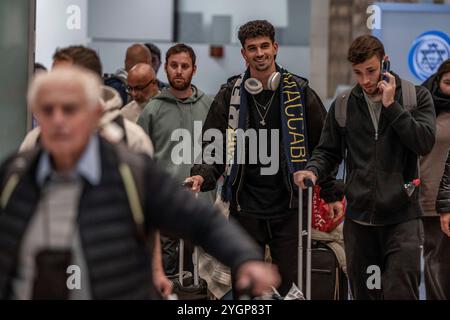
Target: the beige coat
pixel 432 165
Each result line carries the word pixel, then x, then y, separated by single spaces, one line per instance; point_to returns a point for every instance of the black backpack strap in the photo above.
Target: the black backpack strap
pixel 117 83
pixel 132 172
pixel 409 97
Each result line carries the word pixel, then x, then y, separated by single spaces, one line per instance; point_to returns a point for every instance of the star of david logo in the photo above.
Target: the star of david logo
pixel 433 56
pixel 427 53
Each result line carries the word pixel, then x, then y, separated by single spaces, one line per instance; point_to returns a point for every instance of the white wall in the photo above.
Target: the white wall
pixel 131 19
pixel 211 72
pixel 52 30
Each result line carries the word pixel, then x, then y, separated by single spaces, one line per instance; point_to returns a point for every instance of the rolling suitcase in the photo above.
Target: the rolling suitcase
pixel 328 279
pixel 188 286
pixel 322 266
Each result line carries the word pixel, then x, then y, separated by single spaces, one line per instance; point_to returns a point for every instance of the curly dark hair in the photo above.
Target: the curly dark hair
pixel 365 47
pixel 254 29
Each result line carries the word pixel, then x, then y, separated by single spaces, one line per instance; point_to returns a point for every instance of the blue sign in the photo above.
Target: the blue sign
pixel 427 53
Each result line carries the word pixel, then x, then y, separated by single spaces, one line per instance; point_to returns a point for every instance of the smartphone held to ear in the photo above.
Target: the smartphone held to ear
pixel 385 67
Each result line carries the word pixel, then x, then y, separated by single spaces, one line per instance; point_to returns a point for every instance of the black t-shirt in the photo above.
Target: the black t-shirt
pixel 264 195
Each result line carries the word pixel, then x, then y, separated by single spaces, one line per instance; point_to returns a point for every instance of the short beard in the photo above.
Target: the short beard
pixel 180 87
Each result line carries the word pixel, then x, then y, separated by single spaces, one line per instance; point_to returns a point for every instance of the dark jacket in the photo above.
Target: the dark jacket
pixel 432 166
pixel 378 168
pixel 443 198
pixel 441 101
pixel 441 104
pixel 218 118
pixel 119 265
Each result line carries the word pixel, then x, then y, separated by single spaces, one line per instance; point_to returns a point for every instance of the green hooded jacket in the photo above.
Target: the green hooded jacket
pixel 169 122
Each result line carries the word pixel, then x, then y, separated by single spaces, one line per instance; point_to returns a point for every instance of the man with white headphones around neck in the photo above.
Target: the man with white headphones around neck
pixel 265 98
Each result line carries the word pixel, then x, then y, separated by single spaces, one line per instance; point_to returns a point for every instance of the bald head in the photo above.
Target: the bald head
pixel 142 83
pixel 137 53
pixel 142 70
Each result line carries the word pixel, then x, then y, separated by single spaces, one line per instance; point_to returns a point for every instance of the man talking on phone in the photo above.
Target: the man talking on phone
pixel 381 126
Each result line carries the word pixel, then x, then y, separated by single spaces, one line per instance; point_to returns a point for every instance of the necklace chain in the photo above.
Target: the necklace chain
pixel 266 108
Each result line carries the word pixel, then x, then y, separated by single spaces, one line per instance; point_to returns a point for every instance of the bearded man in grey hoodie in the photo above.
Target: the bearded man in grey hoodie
pixel 170 116
pixel 169 119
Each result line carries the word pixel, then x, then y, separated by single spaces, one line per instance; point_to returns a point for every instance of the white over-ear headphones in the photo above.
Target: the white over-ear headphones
pixel 254 86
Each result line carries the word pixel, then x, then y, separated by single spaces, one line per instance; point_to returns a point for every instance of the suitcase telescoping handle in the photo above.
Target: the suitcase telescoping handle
pixel 195 261
pixel 181 262
pixel 309 184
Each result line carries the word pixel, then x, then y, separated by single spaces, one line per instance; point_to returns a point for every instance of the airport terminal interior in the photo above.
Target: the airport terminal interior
pixel 387 62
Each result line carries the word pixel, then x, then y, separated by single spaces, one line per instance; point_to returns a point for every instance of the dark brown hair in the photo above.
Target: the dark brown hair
pixel 365 47
pixel 254 29
pixel 443 69
pixel 80 56
pixel 153 49
pixel 179 48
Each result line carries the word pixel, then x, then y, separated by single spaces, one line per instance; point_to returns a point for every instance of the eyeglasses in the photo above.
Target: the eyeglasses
pixel 139 88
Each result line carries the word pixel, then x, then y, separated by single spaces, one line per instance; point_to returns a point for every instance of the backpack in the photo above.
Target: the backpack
pixel 340 110
pixel 408 95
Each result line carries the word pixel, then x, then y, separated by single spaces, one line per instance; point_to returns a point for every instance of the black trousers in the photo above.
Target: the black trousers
pixel 169 251
pixel 436 253
pixel 394 249
pixel 281 235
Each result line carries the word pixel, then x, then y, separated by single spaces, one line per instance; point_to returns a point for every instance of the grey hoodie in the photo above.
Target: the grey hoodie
pixel 162 116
